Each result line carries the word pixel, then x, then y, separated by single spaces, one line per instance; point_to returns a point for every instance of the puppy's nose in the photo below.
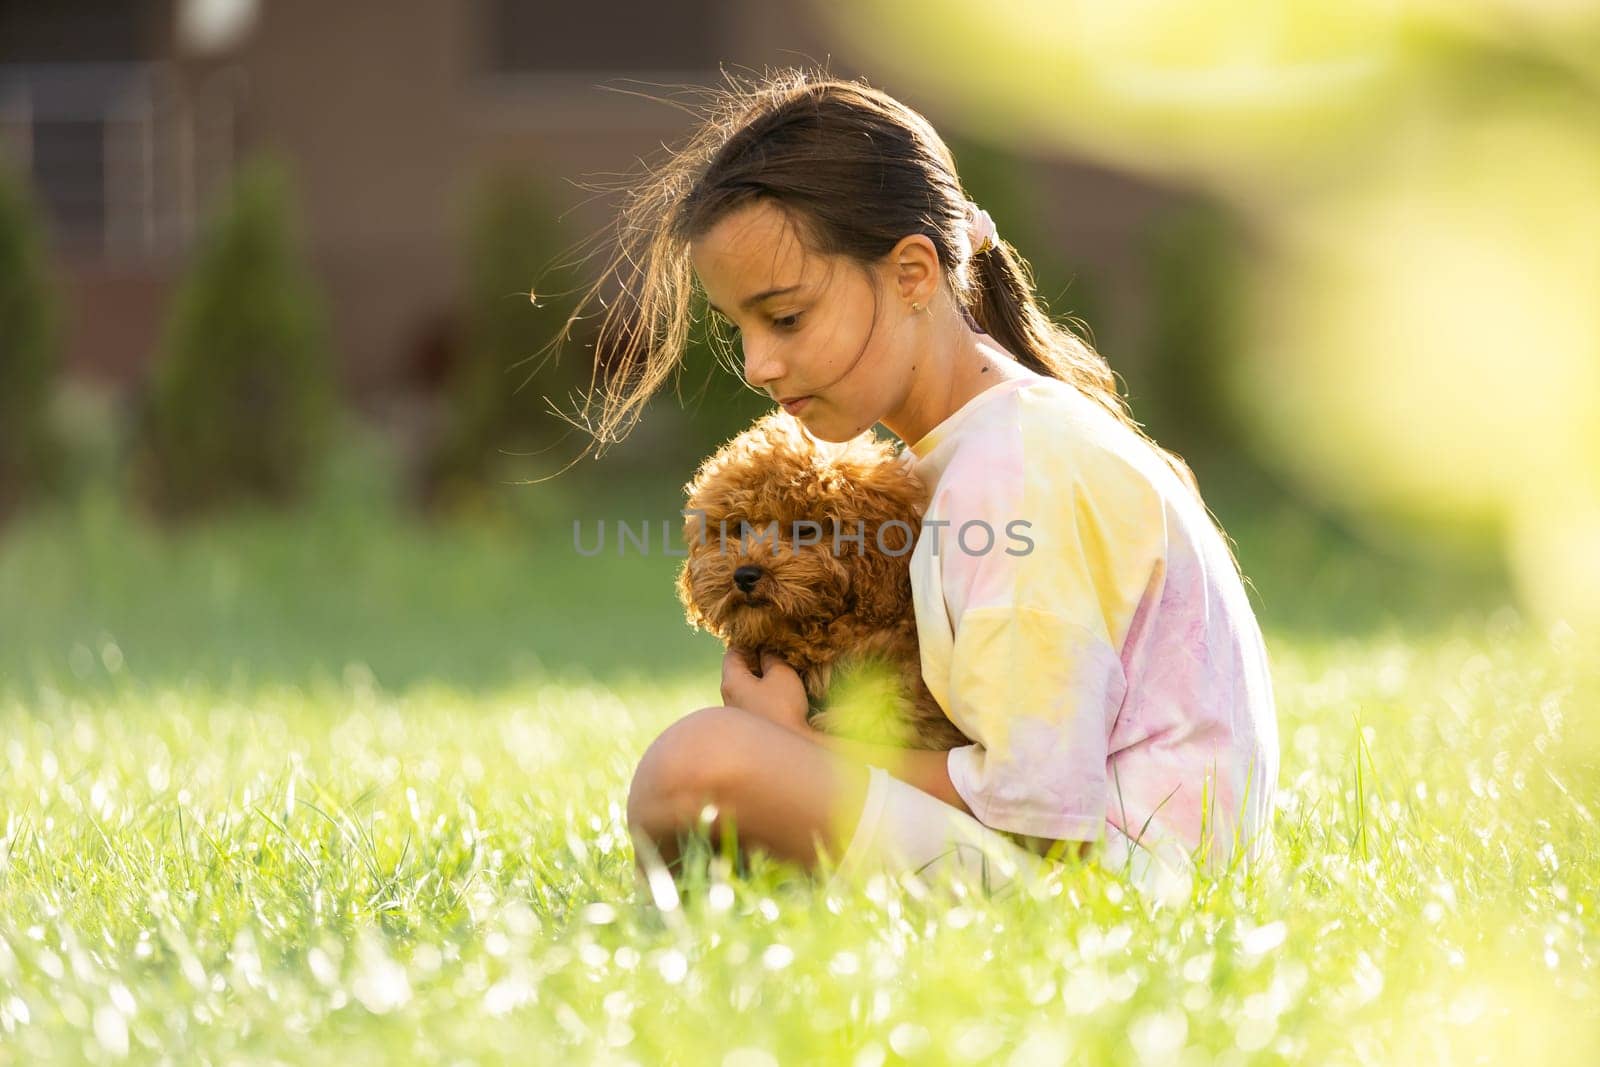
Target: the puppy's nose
pixel 746 577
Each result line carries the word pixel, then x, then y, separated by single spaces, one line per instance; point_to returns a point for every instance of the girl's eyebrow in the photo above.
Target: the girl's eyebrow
pixel 751 301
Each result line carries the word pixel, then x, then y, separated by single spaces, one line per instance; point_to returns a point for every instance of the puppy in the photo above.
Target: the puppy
pixel 802 547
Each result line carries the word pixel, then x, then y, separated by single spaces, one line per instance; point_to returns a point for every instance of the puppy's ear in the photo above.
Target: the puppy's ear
pixel 883 488
pixel 691 610
pixel 880 583
pixel 878 488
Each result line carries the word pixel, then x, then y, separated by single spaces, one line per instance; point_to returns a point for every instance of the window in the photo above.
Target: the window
pixel 80 31
pixel 79 94
pixel 119 153
pixel 68 167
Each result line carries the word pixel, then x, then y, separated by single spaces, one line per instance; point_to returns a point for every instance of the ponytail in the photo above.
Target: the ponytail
pixel 1005 306
pixel 1002 301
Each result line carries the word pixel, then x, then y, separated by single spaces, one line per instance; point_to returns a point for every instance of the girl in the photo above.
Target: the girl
pixel 1081 618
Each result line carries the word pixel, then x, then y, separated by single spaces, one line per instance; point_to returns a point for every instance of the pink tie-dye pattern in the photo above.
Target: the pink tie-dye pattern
pixel 995 494
pixel 1183 740
pixel 1193 720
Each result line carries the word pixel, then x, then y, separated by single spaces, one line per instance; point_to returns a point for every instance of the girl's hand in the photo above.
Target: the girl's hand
pixel 776 694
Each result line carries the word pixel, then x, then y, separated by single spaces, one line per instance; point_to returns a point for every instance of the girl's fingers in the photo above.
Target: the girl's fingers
pixel 734 674
pixel 736 663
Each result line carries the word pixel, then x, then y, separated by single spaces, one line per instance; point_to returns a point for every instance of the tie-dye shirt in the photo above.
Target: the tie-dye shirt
pixel 1081 621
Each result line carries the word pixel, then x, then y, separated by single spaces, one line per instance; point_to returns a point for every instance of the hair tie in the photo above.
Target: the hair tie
pixel 981 230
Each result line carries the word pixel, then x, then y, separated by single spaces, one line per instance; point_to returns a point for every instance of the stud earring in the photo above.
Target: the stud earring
pixel 916 307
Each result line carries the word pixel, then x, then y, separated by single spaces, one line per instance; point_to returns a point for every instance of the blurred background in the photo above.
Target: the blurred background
pixel 274 400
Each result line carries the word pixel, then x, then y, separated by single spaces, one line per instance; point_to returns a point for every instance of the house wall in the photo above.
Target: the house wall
pixel 387 119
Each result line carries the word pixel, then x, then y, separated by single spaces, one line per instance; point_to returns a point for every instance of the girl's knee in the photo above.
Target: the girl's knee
pixel 688 759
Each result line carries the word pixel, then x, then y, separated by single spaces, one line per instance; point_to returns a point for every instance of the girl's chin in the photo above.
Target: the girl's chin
pixel 824 426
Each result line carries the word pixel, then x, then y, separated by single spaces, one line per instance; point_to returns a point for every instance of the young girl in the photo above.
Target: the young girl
pixel 1081 618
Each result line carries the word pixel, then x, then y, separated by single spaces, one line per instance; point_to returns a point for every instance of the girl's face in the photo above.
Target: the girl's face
pixel 809 326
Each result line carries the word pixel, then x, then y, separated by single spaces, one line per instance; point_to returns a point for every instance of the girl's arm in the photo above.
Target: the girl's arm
pixel 779 696
pixel 927 770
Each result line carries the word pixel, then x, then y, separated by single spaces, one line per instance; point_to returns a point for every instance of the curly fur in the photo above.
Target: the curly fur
pixel 843 620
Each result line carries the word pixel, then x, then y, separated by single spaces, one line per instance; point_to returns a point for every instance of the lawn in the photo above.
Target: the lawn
pixel 338 786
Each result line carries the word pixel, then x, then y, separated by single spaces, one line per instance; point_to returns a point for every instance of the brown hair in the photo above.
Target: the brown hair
pixel 855 171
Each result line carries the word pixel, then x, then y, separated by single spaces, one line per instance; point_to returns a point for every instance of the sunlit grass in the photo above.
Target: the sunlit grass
pixel 250 866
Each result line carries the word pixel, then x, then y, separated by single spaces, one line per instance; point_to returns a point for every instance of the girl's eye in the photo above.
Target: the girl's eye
pixel 788 322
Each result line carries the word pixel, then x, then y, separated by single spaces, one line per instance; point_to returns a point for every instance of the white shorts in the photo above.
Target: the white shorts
pixel 904 829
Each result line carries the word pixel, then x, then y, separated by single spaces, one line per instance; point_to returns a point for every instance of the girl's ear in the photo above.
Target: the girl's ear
pixel 916 268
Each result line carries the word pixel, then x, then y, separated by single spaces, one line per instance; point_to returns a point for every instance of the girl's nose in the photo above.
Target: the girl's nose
pixel 760 368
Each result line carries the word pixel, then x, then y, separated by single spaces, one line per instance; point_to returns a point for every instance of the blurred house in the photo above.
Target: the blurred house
pixel 129 114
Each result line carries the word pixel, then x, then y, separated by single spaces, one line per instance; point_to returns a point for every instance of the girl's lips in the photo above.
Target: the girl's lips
pixel 793 406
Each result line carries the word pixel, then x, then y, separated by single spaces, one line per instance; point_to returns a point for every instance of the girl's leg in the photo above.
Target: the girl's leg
pixel 789 796
pixel 904 829
pixel 784 794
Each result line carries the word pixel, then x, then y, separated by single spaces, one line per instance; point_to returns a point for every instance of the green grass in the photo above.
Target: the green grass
pixel 297 789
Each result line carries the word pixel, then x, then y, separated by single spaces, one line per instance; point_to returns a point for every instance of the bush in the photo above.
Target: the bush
pixel 241 400
pixel 516 368
pixel 30 455
pixel 497 389
pixel 1192 256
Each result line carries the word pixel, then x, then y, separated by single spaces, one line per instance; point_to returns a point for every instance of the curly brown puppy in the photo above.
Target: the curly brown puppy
pixel 802 547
